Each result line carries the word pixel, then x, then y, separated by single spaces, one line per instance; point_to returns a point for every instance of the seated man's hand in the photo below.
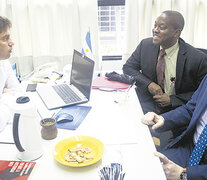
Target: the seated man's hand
pixel 162 100
pixel 154 89
pixel 172 170
pixel 6 90
pixel 153 119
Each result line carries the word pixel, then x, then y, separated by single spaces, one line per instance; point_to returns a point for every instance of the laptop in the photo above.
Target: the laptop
pixel 77 91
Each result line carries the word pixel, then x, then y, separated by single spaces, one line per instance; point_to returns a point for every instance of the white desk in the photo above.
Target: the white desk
pixel 118 126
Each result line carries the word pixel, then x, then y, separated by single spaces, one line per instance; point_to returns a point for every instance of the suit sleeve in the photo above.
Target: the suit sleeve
pixel 182 98
pixel 133 67
pixel 182 115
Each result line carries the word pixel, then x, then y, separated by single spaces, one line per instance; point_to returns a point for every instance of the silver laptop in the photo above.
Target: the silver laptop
pixel 77 91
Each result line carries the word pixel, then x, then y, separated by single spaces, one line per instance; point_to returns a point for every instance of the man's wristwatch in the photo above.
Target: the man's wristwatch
pixel 183 175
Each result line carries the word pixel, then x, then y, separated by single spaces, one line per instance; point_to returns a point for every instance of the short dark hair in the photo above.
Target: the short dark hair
pixel 176 18
pixel 4 24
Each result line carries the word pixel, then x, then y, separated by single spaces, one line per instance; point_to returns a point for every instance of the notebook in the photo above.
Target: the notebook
pixel 77 91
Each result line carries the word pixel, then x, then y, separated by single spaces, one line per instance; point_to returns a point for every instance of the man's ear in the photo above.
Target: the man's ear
pixel 177 33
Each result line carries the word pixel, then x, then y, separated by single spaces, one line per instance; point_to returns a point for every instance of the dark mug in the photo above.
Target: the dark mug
pixel 49 129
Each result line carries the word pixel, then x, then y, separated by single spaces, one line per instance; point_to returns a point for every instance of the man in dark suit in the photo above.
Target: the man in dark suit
pixel 185 66
pixel 178 151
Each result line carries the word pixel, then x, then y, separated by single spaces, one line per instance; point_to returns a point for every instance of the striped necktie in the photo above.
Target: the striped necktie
pixel 161 68
pixel 199 148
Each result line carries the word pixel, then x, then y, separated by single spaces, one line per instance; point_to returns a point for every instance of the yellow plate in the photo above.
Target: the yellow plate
pixel 94 144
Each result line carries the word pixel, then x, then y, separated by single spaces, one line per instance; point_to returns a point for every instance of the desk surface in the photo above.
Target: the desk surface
pixel 117 125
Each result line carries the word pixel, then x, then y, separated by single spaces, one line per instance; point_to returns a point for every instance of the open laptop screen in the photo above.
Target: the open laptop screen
pixel 82 73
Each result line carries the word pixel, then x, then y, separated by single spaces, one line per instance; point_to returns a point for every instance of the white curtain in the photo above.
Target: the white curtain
pixel 48 30
pixel 141 14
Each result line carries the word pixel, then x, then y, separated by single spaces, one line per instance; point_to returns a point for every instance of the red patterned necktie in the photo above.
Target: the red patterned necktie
pixel 161 68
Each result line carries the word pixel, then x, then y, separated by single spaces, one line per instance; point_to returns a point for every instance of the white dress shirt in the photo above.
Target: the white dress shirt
pixel 200 126
pixel 7 80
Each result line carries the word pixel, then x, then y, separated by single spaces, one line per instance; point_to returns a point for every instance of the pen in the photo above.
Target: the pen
pixel 39 114
pixel 131 86
pixel 60 75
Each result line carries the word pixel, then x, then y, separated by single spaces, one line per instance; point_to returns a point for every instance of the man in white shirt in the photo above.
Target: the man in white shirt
pixel 8 81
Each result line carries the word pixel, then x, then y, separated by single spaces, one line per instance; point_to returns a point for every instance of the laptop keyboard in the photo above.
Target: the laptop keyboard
pixel 66 93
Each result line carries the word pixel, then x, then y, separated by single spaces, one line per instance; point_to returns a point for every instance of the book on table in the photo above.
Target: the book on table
pixel 16 170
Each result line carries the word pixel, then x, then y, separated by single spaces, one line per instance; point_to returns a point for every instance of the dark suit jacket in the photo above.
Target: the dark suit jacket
pixel 190 69
pixel 188 115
